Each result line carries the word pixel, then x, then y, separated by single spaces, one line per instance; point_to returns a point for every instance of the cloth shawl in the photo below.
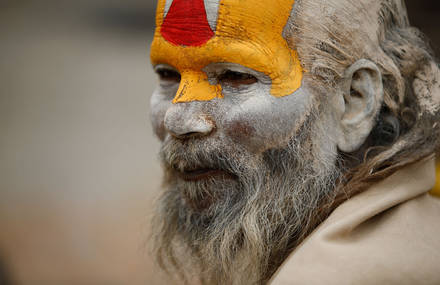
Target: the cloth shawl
pixel 389 234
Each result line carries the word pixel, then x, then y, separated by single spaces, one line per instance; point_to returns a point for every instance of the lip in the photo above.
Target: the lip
pixel 204 173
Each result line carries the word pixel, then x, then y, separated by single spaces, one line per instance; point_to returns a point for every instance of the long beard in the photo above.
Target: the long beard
pixel 240 230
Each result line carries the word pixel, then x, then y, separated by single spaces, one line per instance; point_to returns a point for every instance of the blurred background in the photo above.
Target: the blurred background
pixel 78 161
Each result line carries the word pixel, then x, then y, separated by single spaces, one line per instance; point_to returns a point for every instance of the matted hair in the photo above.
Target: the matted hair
pixel 331 37
pixel 257 230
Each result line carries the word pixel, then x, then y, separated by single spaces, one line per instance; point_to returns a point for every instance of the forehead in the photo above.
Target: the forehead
pixel 243 19
pixel 191 34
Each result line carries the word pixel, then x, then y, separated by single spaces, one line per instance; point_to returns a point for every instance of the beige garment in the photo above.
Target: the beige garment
pixel 389 234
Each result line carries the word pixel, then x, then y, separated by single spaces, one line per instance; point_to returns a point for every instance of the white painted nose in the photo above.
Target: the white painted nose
pixel 184 124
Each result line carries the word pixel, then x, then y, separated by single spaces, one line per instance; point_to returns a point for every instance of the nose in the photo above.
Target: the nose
pixel 184 122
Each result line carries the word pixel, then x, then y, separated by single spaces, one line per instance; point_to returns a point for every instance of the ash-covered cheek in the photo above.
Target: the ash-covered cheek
pixel 257 131
pixel 239 130
pixel 259 136
pixel 261 121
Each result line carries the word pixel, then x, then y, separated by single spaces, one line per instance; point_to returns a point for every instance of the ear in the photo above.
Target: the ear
pixel 363 97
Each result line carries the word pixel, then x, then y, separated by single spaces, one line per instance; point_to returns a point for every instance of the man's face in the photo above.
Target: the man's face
pixel 240 83
pixel 241 129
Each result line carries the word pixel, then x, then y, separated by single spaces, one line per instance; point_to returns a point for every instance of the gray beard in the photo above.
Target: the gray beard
pixel 239 231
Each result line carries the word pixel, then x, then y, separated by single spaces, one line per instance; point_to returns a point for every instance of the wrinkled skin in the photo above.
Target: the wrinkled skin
pixel 245 173
pixel 247 118
pixel 262 153
pixel 248 115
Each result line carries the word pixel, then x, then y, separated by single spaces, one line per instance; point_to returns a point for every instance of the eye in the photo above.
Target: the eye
pixel 169 75
pixel 236 79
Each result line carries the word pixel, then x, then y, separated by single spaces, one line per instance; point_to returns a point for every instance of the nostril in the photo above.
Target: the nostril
pixel 189 135
pixel 193 134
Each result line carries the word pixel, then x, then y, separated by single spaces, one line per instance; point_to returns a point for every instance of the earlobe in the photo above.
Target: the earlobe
pixel 363 97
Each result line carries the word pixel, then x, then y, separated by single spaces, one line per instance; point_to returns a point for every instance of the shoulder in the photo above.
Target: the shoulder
pixel 398 246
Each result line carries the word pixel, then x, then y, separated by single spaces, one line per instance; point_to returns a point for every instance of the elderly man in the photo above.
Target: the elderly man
pixel 298 142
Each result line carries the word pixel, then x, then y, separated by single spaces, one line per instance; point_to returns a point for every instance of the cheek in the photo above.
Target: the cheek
pixel 158 108
pixel 258 132
pixel 240 130
pixel 261 123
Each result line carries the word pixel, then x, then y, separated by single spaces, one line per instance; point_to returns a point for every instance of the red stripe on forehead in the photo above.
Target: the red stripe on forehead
pixel 186 23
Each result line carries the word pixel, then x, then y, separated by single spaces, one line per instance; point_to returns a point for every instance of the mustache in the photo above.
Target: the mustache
pixel 192 154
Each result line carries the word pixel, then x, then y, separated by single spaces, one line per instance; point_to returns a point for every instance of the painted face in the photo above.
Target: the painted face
pixel 232 96
pixel 191 34
pixel 225 68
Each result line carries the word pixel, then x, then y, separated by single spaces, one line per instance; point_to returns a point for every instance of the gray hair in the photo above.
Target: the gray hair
pixel 331 37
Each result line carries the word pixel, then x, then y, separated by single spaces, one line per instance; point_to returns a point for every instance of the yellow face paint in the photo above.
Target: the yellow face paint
pixel 249 33
pixel 194 86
